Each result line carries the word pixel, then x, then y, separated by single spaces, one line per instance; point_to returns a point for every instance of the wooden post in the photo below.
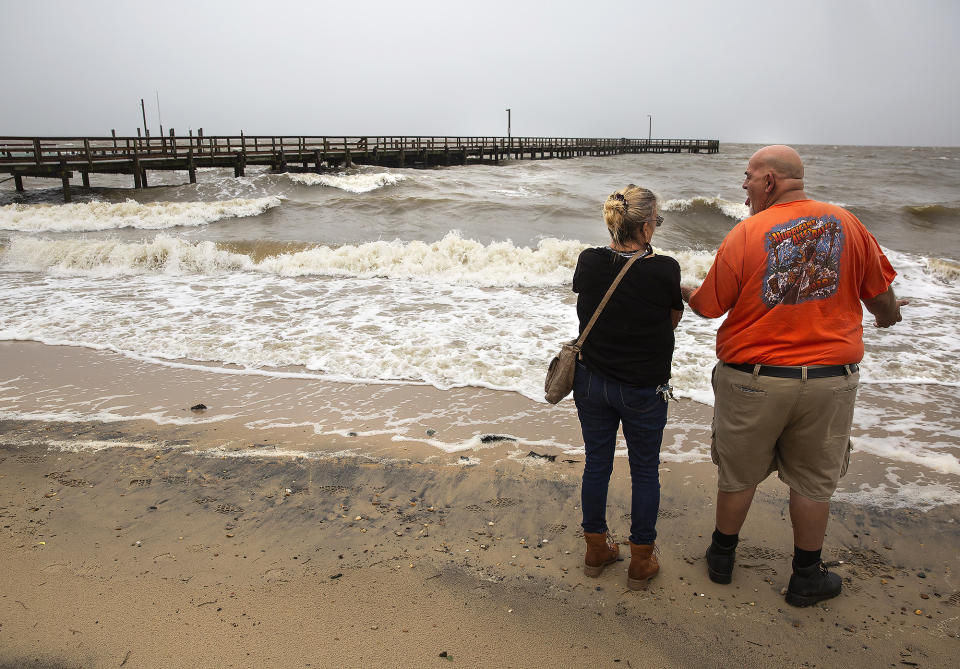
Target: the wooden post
pixel 191 168
pixel 114 134
pixel 36 151
pixel 173 142
pixel 18 182
pixel 137 172
pixel 143 177
pixel 400 159
pixel 65 179
pixel 446 155
pixel 317 160
pixel 86 149
pixel 86 178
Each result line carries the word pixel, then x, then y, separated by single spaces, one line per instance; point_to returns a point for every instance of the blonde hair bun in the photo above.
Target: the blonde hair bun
pixel 626 211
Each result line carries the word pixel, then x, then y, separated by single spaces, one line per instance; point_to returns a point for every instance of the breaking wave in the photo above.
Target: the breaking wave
pixel 452 259
pixel 353 183
pixel 96 216
pixel 736 211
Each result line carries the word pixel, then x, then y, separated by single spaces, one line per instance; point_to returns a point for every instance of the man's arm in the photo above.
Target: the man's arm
pixel 685 293
pixel 675 316
pixel 885 307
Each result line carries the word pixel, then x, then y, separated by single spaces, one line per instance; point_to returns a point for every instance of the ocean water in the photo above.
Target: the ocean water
pixel 449 277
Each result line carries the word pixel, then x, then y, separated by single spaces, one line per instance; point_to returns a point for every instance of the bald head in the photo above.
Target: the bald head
pixel 782 160
pixel 774 174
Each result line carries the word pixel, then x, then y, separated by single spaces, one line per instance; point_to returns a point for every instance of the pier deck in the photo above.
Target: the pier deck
pixel 62 157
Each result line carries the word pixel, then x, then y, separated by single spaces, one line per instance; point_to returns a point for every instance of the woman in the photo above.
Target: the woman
pixel 622 375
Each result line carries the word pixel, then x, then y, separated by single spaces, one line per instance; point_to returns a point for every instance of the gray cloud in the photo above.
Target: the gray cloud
pixel 855 72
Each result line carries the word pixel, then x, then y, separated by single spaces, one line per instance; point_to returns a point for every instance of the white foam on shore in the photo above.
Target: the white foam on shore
pixel 898 494
pixel 96 216
pixel 87 446
pixel 96 415
pixel 270 452
pixel 353 183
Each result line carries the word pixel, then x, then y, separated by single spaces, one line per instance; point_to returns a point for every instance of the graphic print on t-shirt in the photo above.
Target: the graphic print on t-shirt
pixel 803 260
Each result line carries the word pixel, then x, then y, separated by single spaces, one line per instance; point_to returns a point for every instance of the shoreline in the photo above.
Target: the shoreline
pixel 347 561
pixel 246 535
pixel 902 455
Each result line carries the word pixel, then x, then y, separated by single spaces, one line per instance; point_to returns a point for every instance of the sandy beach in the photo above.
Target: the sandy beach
pixel 138 544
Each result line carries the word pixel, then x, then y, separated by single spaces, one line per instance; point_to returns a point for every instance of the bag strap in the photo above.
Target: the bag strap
pixel 606 298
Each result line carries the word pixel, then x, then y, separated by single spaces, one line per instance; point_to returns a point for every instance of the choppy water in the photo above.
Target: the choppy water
pixel 451 277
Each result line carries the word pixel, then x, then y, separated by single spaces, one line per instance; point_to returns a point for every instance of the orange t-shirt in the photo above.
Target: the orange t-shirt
pixel 792 278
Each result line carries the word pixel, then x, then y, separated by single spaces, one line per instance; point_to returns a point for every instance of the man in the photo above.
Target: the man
pixel 791 279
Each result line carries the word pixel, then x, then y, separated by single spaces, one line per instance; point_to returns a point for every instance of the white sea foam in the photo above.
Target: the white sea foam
pixel 735 210
pixel 898 494
pixel 353 183
pixel 95 216
pixel 948 270
pixel 453 259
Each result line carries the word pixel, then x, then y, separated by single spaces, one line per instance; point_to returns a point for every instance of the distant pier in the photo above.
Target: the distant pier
pixel 63 157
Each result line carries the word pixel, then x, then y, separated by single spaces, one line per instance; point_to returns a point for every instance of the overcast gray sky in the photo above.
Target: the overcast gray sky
pixel 812 71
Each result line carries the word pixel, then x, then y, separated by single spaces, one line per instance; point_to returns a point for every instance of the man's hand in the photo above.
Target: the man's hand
pixel 885 307
pixel 887 322
pixel 686 292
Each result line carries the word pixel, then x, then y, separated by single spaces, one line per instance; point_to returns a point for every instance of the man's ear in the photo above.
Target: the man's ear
pixel 769 182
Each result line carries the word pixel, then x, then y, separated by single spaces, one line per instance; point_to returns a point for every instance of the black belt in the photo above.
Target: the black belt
pixel 797 372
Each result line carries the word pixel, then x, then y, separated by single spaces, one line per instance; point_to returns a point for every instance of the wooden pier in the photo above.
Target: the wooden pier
pixel 62 157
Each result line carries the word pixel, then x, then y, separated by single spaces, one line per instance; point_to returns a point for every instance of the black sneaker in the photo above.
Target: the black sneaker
pixel 809 585
pixel 720 564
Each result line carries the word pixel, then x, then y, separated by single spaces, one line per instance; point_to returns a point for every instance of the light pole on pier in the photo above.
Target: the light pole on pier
pixel 143 110
pixel 649 128
pixel 508 127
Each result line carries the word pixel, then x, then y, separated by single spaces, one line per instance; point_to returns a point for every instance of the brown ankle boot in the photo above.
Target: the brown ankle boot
pixel 643 565
pixel 601 551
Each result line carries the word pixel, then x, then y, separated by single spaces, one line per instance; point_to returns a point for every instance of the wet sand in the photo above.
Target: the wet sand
pixel 136 544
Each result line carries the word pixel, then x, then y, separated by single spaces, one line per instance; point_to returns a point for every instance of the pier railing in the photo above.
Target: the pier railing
pixel 61 157
pixel 45 150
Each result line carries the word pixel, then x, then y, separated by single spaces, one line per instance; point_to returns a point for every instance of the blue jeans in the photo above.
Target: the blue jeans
pixel 602 406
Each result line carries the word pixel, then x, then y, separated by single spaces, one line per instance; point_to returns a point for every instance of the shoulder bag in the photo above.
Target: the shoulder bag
pixel 559 381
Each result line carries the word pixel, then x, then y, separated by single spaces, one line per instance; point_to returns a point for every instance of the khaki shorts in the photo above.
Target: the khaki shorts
pixel 800 429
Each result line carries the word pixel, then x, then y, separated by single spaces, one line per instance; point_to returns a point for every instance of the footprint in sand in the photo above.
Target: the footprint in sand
pixel 335 490
pixel 229 509
pixel 141 483
pixel 502 502
pixel 277 575
pixel 749 552
pixel 175 480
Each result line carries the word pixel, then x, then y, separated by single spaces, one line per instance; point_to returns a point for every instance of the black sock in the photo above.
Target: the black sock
pixel 727 543
pixel 802 558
